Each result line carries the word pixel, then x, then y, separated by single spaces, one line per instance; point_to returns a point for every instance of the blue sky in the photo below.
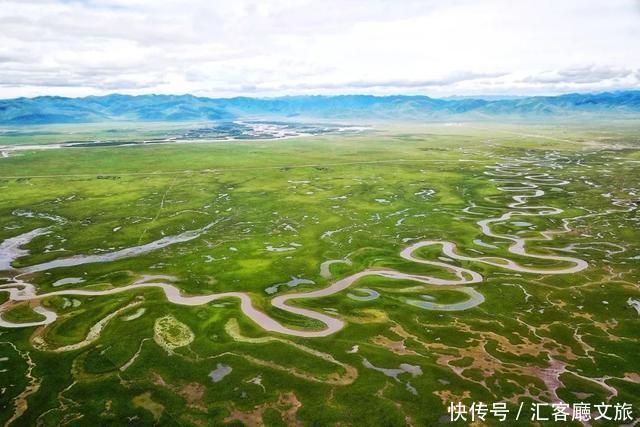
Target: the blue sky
pixel 267 48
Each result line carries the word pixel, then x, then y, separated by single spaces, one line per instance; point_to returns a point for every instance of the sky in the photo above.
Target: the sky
pixel 276 47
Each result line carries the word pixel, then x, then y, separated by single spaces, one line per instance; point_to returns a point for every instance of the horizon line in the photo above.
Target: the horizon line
pixel 445 98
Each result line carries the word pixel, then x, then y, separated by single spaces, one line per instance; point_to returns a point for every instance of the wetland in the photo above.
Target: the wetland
pixel 238 278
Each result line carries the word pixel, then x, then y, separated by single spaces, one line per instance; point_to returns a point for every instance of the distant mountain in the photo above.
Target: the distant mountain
pixel 53 109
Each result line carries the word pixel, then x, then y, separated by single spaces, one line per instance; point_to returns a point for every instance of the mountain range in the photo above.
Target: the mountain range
pixel 116 107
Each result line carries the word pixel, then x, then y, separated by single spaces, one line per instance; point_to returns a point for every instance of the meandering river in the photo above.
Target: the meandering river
pixel 513 177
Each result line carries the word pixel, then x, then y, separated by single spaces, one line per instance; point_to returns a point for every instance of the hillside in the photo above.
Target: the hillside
pixel 48 109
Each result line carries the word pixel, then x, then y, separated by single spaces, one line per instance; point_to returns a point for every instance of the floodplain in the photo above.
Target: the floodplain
pixel 367 277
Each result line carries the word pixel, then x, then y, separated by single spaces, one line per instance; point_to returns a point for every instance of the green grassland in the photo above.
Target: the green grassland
pixel 117 131
pixel 535 337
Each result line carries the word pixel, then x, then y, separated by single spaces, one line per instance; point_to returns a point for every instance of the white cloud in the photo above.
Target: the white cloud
pixel 276 47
